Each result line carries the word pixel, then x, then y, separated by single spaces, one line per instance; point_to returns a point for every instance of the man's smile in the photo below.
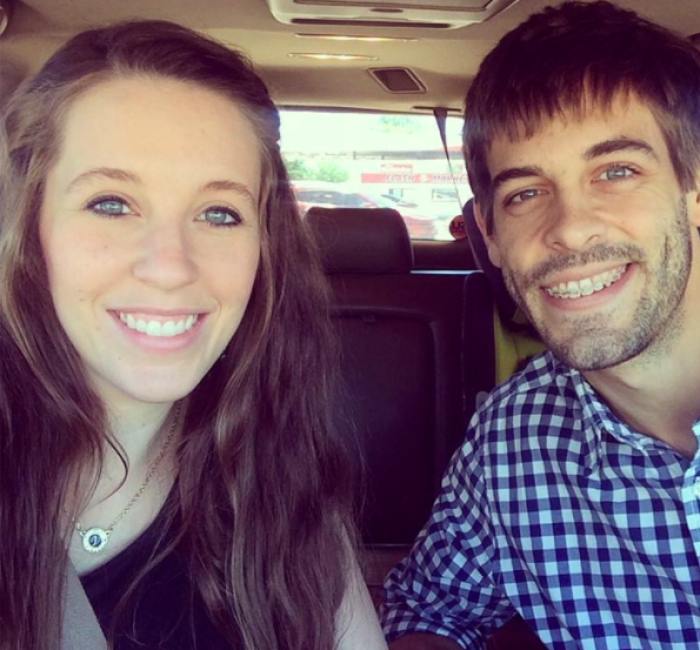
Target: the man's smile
pixel 587 286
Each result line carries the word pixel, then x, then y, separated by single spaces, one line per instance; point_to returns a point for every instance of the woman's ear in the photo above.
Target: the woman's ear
pixel 489 239
pixel 694 203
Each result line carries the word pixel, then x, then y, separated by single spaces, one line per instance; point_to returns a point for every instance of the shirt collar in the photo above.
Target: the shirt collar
pixel 599 421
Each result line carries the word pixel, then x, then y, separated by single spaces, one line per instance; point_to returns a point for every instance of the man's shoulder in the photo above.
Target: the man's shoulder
pixel 526 423
pixel 529 409
pixel 542 373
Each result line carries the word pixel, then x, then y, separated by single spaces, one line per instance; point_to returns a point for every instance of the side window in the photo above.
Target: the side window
pixel 365 160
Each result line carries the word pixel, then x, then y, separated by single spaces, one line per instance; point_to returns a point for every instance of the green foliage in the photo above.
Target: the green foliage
pixel 331 171
pixel 398 124
pixel 299 170
pixel 326 170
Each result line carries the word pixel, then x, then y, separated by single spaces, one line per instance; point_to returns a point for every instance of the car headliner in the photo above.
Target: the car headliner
pixel 444 59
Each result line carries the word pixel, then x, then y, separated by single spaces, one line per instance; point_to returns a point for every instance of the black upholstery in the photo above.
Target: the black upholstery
pixel 401 335
pixel 504 303
pixel 362 241
pixel 478 344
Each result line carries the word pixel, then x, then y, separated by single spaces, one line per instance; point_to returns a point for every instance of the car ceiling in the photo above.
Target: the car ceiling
pixel 443 59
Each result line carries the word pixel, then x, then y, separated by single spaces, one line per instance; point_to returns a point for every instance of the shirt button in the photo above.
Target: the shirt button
pixel 696 488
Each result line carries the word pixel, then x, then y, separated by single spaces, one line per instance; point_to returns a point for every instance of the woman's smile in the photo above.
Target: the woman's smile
pixel 153 332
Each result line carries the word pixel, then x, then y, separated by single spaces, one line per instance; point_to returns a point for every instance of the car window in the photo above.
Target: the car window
pixel 375 160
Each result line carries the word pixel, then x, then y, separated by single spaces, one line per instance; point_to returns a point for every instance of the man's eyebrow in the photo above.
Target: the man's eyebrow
pixel 606 147
pixel 102 172
pixel 623 143
pixel 231 186
pixel 515 173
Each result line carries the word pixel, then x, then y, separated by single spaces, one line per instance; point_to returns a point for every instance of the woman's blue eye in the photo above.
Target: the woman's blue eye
pixel 109 206
pixel 219 216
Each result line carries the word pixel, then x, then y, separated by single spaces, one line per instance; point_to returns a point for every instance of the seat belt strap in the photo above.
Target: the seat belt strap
pixel 440 115
pixel 80 629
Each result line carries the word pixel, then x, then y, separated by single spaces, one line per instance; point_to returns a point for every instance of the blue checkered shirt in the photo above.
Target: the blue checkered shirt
pixel 556 509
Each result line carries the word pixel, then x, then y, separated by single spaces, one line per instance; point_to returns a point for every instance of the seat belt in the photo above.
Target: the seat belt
pixel 440 115
pixel 80 629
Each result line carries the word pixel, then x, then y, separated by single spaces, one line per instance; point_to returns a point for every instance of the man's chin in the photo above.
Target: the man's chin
pixel 598 351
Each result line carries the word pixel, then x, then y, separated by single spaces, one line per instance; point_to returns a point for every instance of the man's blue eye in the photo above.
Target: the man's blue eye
pixel 221 217
pixel 617 173
pixel 526 195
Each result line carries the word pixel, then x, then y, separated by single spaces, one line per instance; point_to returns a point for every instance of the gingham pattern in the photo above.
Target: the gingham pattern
pixel 556 509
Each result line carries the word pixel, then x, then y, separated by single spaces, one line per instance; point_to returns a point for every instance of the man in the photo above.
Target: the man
pixel 575 500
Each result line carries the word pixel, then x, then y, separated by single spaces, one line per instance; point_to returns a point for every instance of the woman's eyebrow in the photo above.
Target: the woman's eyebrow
pixel 125 176
pixel 230 186
pixel 102 172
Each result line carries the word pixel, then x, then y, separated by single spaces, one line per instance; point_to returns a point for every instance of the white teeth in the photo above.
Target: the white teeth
pixel 586 286
pixel 155 328
pixel 573 290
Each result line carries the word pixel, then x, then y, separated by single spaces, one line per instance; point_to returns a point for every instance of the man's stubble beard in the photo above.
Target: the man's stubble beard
pixel 594 343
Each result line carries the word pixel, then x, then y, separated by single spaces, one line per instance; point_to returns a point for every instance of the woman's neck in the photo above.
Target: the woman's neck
pixel 139 429
pixel 146 439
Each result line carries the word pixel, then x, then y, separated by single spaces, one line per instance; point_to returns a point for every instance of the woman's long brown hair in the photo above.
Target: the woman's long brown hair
pixel 265 486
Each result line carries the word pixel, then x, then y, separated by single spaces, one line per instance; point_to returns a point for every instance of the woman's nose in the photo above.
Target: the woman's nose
pixel 165 256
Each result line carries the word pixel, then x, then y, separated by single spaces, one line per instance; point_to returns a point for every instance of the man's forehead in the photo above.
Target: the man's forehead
pixel 582 125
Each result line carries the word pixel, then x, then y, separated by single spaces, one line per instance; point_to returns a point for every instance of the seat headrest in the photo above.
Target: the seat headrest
pixel 504 303
pixel 361 240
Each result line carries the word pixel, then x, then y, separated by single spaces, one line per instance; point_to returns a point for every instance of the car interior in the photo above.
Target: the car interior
pixel 425 324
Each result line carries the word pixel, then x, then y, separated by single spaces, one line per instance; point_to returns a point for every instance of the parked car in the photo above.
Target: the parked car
pixel 419 226
pixel 399 201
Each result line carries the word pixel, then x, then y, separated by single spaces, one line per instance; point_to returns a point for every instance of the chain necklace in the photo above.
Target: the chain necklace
pixel 95 539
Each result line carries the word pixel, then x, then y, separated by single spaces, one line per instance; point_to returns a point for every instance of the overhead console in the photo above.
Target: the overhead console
pixel 432 14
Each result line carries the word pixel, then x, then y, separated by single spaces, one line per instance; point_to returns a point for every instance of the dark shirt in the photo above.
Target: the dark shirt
pixel 164 612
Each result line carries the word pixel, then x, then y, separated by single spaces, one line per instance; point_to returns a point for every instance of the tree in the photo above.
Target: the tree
pixel 298 170
pixel 331 171
pixel 399 124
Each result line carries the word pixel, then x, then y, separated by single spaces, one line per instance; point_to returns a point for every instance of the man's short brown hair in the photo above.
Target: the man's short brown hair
pixel 574 56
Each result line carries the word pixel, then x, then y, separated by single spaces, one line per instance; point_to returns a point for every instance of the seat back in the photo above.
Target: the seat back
pixel 400 333
pixel 507 308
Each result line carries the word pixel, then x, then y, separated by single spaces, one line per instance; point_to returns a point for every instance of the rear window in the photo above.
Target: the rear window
pixel 373 160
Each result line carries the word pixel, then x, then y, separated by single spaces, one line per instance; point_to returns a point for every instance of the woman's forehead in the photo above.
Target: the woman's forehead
pixel 159 123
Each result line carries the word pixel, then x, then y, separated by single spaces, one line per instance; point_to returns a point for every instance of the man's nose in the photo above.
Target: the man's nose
pixel 575 224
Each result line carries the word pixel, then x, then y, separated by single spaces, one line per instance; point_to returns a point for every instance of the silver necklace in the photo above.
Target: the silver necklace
pixel 96 538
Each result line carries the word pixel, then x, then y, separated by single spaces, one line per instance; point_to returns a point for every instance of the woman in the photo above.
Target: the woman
pixel 165 386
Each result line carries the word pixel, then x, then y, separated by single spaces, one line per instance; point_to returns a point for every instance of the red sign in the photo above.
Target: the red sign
pixel 412 178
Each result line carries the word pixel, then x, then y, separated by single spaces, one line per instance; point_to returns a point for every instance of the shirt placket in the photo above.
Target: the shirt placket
pixel 690 495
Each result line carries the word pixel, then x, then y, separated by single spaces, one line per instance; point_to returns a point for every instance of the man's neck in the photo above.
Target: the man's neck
pixel 658 392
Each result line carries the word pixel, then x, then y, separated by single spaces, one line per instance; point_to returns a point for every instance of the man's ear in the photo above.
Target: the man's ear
pixel 492 247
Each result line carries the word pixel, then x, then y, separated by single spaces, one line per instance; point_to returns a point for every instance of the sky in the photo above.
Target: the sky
pixel 332 131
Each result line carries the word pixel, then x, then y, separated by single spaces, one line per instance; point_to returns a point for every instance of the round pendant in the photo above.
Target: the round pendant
pixel 94 539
